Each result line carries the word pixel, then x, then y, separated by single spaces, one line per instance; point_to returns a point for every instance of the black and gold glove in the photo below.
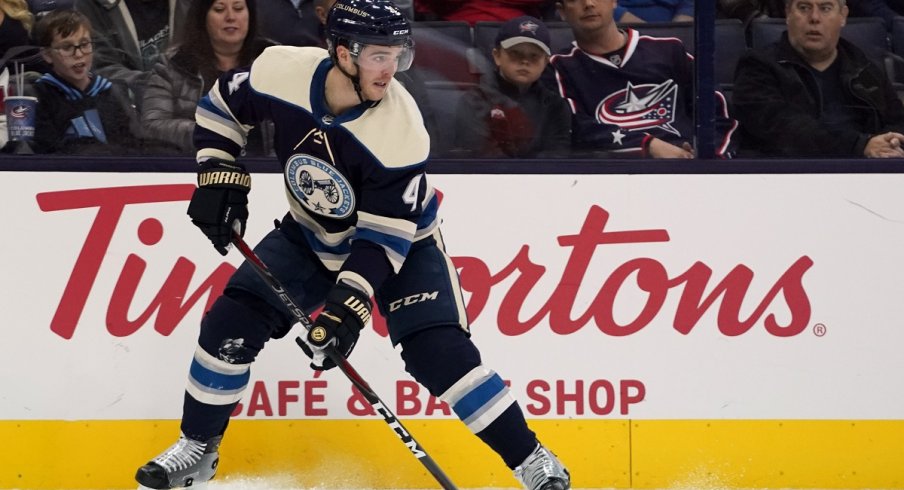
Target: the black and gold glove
pixel 220 203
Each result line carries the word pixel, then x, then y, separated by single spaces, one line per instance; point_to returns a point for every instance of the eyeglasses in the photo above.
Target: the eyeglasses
pixel 69 49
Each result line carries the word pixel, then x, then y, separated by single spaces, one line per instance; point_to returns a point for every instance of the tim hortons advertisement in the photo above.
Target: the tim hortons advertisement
pixel 594 296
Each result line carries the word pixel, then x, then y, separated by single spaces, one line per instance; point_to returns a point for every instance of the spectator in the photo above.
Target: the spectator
pixel 815 94
pixel 78 110
pixel 291 22
pixel 134 35
pixel 511 113
pixel 16 44
pixel 219 36
pixel 655 11
pixel 629 94
pixel 473 11
pixel 15 25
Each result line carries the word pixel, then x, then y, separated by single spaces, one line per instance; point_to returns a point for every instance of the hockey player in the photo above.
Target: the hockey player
pixel 362 221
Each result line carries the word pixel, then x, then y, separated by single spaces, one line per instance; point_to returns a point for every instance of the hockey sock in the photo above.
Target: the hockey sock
pixel 214 387
pixel 447 363
pixel 485 404
pixel 232 334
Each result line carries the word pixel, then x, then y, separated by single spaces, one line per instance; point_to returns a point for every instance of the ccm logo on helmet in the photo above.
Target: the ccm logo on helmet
pixel 399 33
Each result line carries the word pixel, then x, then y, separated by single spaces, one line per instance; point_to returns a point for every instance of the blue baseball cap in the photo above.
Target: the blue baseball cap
pixel 524 29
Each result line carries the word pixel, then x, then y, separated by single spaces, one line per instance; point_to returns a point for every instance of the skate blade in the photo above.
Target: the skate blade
pixel 199 486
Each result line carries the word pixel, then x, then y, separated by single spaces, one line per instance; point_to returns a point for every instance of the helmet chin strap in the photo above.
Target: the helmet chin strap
pixel 355 79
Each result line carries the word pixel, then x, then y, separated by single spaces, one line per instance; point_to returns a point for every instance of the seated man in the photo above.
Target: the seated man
pixel 630 95
pixel 814 94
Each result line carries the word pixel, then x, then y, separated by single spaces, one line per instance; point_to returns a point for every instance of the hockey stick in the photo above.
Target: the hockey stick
pixel 388 416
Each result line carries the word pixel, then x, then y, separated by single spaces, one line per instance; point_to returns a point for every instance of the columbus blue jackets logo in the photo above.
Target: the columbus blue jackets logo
pixel 641 107
pixel 528 26
pixel 19 111
pixel 319 187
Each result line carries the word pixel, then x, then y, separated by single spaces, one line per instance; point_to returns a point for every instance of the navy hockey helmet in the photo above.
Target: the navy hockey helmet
pixel 357 23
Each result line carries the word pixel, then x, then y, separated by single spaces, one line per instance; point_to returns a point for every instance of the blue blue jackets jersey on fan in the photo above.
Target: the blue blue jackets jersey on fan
pixel 622 99
pixel 355 182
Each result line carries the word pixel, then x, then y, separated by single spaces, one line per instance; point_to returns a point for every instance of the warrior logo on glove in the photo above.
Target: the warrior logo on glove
pixel 345 312
pixel 219 206
pixel 235 177
pixel 360 309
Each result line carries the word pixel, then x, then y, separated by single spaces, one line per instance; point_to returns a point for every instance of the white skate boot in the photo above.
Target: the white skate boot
pixel 187 463
pixel 542 471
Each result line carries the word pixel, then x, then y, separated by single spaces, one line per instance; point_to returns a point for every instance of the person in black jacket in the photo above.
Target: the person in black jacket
pixel 79 111
pixel 132 35
pixel 291 22
pixel 814 94
pixel 511 113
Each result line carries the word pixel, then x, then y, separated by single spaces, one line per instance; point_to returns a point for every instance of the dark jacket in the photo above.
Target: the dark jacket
pixel 116 52
pixel 776 102
pixel 70 121
pixel 280 21
pixel 12 34
pixel 171 98
pixel 496 120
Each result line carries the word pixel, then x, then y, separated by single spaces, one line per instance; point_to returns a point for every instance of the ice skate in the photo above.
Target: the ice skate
pixel 542 471
pixel 186 464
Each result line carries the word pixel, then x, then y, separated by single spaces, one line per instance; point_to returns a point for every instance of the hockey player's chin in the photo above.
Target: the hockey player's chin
pixel 377 91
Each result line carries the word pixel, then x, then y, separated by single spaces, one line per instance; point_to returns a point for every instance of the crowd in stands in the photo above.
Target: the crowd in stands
pixel 494 79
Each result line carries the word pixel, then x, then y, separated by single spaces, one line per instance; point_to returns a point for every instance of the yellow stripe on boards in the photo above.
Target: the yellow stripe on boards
pixel 768 454
pixel 322 453
pixel 367 454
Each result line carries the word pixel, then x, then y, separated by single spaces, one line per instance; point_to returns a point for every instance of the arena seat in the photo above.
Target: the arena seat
pixel 444 52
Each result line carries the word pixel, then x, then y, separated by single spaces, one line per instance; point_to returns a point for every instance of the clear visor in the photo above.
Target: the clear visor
pixel 377 57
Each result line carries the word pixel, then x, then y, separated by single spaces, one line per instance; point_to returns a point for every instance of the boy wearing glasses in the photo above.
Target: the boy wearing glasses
pixel 78 110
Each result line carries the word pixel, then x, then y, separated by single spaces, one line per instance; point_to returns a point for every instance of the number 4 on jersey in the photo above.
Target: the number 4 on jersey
pixel 411 192
pixel 237 80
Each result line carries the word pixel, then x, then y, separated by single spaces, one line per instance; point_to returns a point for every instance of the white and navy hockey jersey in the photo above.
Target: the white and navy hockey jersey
pixel 623 100
pixel 356 182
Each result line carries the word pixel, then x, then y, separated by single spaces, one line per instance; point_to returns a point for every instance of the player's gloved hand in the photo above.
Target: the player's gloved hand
pixel 345 312
pixel 220 203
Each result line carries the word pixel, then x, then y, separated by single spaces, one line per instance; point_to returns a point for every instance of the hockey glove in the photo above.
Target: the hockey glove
pixel 344 314
pixel 220 203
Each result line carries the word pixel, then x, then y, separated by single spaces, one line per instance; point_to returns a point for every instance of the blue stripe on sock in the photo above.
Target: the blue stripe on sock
pixel 218 381
pixel 478 396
